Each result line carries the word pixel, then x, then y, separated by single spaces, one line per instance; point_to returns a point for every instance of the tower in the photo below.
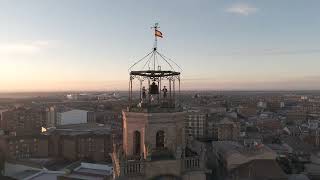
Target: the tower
pixel 153 124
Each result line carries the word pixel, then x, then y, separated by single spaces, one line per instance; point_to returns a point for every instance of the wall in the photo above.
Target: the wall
pixel 173 126
pixel 73 117
pixel 42 148
pixel 69 149
pixel 24 146
pixel 164 167
pixel 148 124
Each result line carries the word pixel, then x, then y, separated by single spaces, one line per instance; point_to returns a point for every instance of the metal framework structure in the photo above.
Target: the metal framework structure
pixel 157 70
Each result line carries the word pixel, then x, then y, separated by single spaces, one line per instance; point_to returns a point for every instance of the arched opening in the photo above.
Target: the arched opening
pixel 136 142
pixel 160 139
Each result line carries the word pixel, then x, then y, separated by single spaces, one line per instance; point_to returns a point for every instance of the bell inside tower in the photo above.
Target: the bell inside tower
pixel 154 89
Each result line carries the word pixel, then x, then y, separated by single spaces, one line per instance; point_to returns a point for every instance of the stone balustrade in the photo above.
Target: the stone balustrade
pixel 132 168
pixel 191 163
pixel 129 168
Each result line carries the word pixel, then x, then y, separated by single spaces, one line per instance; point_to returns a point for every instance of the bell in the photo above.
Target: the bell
pixel 154 88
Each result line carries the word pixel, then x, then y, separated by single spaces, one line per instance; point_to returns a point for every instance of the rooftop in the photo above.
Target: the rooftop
pixel 236 154
pixel 83 177
pixel 100 169
pixel 90 171
pixel 81 129
pixel 155 109
pixel 297 144
pixel 25 174
pixel 256 169
pixel 47 175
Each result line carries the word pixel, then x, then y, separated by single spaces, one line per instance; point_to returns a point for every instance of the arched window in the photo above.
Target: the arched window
pixel 160 139
pixel 136 142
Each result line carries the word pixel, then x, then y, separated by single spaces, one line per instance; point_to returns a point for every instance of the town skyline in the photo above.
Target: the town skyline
pixel 229 45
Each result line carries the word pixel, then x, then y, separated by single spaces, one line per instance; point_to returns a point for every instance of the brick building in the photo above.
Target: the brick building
pixel 22 121
pixel 29 146
pixel 219 127
pixel 296 116
pixel 247 111
pixel 113 119
pixel 83 141
pixel 86 146
pixel 227 129
pixel 269 124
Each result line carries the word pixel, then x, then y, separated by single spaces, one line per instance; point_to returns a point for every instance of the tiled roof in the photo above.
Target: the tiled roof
pixel 260 169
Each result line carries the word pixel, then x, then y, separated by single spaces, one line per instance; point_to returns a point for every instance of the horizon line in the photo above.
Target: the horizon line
pixel 217 90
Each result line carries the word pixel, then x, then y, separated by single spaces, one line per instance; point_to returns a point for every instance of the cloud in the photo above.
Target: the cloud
pixel 31 47
pixel 241 9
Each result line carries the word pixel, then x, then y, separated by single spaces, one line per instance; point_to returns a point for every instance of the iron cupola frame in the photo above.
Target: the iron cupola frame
pixel 160 78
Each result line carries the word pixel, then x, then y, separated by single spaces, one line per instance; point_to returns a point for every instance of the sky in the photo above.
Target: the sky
pixel 62 45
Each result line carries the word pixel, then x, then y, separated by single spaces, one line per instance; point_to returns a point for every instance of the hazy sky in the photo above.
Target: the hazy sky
pixel 220 44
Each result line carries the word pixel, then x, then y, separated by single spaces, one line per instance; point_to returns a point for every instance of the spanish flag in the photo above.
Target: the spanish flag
pixel 158 33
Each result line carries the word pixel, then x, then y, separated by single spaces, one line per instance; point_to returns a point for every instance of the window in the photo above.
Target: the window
pixel 136 142
pixel 160 139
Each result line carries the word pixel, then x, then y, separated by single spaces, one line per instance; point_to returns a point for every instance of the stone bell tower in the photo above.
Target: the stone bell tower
pixel 153 124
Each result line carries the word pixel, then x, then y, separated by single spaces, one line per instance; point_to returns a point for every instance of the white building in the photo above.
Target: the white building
pixel 195 123
pixel 313 124
pixel 262 104
pixel 51 117
pixel 72 117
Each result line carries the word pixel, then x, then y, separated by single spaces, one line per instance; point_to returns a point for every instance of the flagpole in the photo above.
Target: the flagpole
pixel 155 48
pixel 155 45
pixel 155 37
